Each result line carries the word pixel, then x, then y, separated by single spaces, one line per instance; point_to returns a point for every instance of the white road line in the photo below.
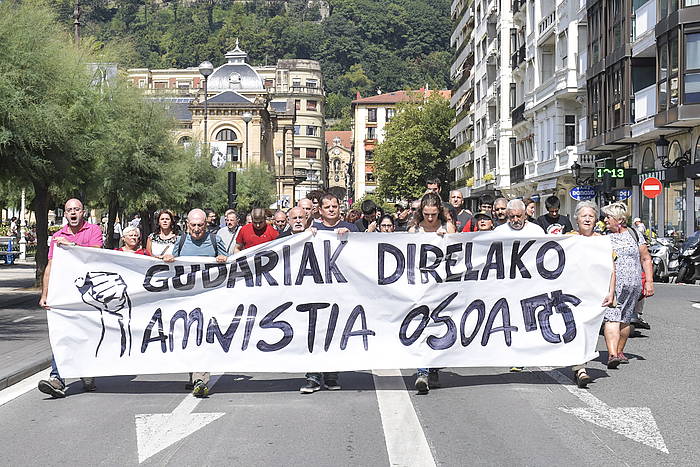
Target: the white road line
pixel 405 440
pixel 19 320
pixel 23 387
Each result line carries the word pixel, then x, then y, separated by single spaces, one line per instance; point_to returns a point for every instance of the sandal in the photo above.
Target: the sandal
pixel 582 379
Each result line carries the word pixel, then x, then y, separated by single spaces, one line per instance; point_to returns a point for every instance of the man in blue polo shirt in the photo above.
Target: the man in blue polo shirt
pixel 197 241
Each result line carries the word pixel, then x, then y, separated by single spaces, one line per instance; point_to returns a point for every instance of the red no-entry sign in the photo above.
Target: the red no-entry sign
pixel 651 187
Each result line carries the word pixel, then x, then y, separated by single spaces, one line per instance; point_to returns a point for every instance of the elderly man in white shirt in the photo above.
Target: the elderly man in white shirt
pixel 517 220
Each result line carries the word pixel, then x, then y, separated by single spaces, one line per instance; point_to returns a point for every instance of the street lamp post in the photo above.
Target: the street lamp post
pixel 247 117
pixel 279 154
pixel 206 69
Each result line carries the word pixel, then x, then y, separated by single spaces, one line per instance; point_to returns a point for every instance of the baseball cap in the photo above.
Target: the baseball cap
pixel 483 215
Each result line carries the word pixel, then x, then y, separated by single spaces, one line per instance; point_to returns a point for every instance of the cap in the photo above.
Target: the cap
pixel 483 215
pixel 636 219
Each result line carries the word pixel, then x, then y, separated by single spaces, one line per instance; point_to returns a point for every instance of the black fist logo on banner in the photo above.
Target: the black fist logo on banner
pixel 106 292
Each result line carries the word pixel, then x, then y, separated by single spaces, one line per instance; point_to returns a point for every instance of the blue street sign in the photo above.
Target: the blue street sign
pixel 623 194
pixel 582 193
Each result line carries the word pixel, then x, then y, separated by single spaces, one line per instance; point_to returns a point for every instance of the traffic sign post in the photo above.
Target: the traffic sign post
pixel 651 187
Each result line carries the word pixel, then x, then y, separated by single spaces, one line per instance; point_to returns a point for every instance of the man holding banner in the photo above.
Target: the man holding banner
pixel 76 232
pixel 197 241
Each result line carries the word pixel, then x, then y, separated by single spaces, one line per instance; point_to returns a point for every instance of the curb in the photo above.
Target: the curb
pixel 32 368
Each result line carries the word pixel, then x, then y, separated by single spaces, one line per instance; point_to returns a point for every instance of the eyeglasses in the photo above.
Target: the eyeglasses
pixel 74 209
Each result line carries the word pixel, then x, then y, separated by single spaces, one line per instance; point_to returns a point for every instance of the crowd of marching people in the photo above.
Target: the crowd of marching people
pixel 203 235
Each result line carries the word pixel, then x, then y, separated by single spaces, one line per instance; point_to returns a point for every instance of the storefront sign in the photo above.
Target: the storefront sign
pixel 582 193
pixel 623 194
pixel 547 185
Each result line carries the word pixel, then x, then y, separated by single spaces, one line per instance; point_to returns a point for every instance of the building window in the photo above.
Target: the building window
pixel 160 85
pixel 269 83
pixel 297 104
pixel 311 153
pixel 232 153
pixel 513 152
pixel 296 152
pixel 697 152
pixel 226 135
pixel 691 74
pixel 371 132
pixel 648 164
pixel 296 82
pixel 661 76
pixel 311 130
pixel 297 130
pixel 673 71
pixel 184 141
pixel 569 130
pixel 513 96
pixel 369 156
pixel 183 84
pixel 369 177
pixel 390 114
pixel 372 115
pixel 311 105
pixel 311 83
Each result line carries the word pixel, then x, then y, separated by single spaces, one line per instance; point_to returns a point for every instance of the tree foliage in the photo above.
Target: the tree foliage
pixel 416 147
pixel 364 45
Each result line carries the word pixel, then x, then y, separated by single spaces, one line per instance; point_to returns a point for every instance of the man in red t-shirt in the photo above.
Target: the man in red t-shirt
pixel 255 233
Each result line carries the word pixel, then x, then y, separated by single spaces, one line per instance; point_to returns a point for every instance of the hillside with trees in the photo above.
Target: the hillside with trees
pixel 363 45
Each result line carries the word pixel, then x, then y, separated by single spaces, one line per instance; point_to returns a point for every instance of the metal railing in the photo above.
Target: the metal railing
pixel 518 57
pixel 517 173
pixel 518 114
pixel 547 22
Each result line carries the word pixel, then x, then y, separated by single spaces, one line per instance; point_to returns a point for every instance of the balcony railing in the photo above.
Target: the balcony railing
pixel 644 19
pixel 517 173
pixel 298 90
pixel 645 103
pixel 518 114
pixel 518 57
pixel 547 22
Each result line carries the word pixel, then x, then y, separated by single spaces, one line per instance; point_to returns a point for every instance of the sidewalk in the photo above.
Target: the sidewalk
pixel 24 343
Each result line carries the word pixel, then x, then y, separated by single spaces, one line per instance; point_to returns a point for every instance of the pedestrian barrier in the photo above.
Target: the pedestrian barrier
pixel 6 249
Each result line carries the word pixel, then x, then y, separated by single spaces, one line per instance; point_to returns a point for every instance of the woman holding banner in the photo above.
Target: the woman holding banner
pixel 585 215
pixel 632 257
pixel 430 218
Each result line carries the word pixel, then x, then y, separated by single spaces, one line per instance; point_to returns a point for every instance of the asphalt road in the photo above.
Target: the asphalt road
pixel 482 416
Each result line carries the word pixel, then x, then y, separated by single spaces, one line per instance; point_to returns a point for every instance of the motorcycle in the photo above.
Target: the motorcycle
pixel 664 255
pixel 689 260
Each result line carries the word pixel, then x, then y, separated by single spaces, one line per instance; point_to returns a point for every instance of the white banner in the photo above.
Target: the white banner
pixel 324 303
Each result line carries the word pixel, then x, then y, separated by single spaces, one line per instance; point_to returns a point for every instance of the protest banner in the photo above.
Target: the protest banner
pixel 326 302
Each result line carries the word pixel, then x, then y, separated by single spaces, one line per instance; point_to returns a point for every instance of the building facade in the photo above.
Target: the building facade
pixel 271 115
pixel 483 75
pixel 547 100
pixel 643 82
pixel 370 116
pixel 340 164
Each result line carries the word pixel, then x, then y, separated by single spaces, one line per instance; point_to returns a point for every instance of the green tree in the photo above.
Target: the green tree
pixel 50 113
pixel 416 147
pixel 136 155
pixel 256 188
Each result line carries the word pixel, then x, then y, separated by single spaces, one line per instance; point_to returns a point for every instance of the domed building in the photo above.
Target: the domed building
pixel 255 115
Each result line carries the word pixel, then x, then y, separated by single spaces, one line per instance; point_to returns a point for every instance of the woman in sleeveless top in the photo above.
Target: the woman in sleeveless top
pixel 163 239
pixel 430 217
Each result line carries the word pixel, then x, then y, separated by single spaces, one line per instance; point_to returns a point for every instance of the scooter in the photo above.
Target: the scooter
pixel 664 254
pixel 689 260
